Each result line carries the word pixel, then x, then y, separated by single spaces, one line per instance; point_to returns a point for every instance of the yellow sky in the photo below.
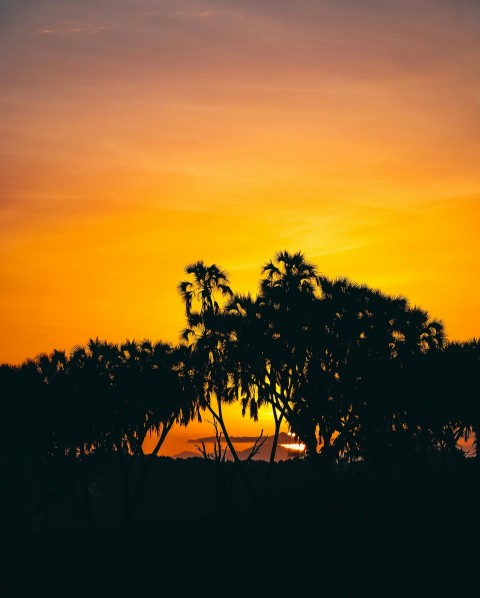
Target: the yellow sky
pixel 137 137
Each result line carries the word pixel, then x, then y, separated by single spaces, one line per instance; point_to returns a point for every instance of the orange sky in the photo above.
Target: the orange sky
pixel 137 137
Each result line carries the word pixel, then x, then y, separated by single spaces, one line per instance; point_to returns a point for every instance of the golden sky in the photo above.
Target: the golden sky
pixel 139 136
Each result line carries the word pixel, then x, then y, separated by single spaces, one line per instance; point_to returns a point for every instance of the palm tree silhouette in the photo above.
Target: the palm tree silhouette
pixel 375 338
pixel 150 396
pixel 209 339
pixel 270 351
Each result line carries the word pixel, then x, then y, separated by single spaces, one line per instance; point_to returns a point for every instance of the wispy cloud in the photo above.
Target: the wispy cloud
pixel 75 30
pixel 208 439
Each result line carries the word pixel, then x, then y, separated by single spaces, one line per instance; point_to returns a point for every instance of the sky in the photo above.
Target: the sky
pixel 137 137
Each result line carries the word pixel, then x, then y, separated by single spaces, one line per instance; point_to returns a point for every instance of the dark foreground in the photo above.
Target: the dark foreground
pixel 403 531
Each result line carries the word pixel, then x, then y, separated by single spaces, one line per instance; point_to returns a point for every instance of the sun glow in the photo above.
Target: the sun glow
pixel 294 446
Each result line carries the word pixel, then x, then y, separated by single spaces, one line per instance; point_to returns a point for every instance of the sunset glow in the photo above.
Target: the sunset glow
pixel 294 446
pixel 138 137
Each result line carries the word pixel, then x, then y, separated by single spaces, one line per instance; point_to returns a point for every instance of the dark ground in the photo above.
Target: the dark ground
pixel 388 531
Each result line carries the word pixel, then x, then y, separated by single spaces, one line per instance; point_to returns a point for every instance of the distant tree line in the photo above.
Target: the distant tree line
pixel 356 374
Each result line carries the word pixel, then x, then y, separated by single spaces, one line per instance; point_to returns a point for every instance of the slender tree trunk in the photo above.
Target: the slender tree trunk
pixel 278 422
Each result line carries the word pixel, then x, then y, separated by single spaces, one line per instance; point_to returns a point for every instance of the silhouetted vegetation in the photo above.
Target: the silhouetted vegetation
pixel 366 381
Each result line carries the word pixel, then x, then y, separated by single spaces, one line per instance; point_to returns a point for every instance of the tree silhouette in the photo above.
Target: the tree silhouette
pixel 63 433
pixel 152 396
pixel 268 342
pixel 96 407
pixel 324 354
pixel 361 337
pixel 209 342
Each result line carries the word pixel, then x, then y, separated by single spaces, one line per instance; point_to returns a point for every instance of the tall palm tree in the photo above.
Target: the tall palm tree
pixel 207 336
pixel 289 292
pixel 211 339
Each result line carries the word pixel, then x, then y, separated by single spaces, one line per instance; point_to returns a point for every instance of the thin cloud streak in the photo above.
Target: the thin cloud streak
pixel 209 439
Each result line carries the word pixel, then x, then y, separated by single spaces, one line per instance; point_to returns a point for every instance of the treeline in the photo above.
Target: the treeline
pixel 356 374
